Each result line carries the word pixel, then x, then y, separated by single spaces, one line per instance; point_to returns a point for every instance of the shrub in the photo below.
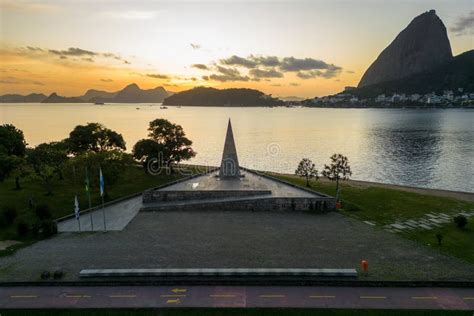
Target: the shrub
pixel 22 228
pixel 58 274
pixel 460 221
pixel 8 215
pixel 45 275
pixel 439 237
pixel 42 211
pixel 49 228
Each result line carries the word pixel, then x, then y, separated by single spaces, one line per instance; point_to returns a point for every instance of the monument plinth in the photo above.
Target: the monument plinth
pixel 230 168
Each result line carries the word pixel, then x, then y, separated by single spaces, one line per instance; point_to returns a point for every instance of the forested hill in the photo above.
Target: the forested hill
pixel 202 96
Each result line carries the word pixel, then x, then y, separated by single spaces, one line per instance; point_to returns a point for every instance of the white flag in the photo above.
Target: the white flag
pixel 76 207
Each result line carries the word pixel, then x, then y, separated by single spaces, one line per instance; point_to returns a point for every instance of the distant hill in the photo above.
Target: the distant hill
pixel 133 94
pixel 457 73
pixel 17 98
pixel 202 96
pixel 54 98
pixel 92 94
pixel 421 46
pixel 130 94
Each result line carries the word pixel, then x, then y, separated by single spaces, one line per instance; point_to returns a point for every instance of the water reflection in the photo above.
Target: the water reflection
pixel 430 148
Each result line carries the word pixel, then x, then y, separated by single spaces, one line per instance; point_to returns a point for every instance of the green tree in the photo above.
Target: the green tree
pixel 94 137
pixel 167 142
pixel 306 168
pixel 12 151
pixel 53 154
pixel 12 141
pixel 339 169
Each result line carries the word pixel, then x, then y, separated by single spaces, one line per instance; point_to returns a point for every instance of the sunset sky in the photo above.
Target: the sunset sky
pixel 284 48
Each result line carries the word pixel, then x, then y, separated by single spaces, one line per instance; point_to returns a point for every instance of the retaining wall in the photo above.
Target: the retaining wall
pixel 306 204
pixel 151 196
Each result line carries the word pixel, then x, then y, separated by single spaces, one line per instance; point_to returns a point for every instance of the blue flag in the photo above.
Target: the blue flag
pixel 101 182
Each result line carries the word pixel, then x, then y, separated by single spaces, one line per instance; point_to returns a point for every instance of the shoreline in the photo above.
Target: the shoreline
pixel 256 106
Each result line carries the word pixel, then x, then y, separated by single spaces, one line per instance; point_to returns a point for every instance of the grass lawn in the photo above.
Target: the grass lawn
pixel 385 206
pixel 61 203
pixel 456 242
pixel 234 312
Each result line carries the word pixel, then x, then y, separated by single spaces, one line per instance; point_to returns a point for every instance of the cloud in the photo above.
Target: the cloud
pixel 73 51
pixel 294 84
pixel 200 66
pixel 226 74
pixel 106 80
pixel 131 14
pixel 79 52
pixel 29 6
pixel 464 24
pixel 158 76
pixel 259 73
pixel 8 81
pixel 195 46
pixel 350 71
pixel 35 49
pixel 296 64
pixel 235 60
pixel 264 67
pixel 38 83
pixel 328 74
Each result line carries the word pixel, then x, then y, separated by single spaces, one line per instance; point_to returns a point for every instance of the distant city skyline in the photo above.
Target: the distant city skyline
pixel 282 48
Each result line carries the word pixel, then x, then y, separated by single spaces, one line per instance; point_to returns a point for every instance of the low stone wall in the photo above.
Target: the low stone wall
pixel 305 204
pixel 152 196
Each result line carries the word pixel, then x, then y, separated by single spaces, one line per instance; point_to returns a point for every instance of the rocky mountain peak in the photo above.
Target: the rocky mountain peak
pixel 421 46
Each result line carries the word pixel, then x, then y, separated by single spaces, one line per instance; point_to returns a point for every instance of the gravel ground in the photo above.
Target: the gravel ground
pixel 236 240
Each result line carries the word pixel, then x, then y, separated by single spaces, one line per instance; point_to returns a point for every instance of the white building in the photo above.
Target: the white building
pixel 380 98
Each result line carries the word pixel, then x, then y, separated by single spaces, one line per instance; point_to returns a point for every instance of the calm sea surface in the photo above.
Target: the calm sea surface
pixel 425 148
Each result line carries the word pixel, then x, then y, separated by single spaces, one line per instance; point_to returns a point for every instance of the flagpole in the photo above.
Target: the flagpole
pixel 103 213
pixel 102 192
pixel 89 197
pixel 76 204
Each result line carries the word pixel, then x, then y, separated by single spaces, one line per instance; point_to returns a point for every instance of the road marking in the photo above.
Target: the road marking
pixel 222 295
pixel 322 296
pixel 176 301
pixel 23 296
pixel 424 298
pixel 468 298
pixel 272 295
pixel 173 295
pixel 78 296
pixel 122 296
pixel 373 297
pixel 179 290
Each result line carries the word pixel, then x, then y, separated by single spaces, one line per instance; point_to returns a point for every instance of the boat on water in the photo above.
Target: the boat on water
pixel 163 107
pixel 99 103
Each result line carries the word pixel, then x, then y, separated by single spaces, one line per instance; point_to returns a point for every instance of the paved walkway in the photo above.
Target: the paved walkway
pixel 251 181
pixel 117 216
pixel 237 296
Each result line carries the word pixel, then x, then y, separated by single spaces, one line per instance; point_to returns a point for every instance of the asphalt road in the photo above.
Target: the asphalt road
pixel 236 296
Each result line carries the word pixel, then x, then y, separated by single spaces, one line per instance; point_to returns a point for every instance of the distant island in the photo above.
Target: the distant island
pixel 130 94
pixel 203 96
